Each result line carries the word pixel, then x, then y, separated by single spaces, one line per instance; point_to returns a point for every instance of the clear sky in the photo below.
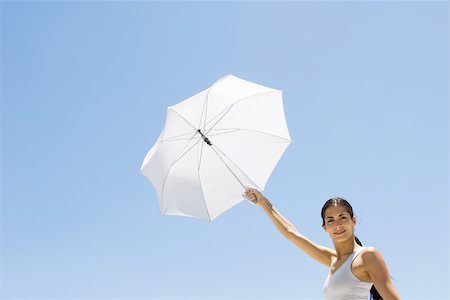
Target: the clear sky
pixel 85 87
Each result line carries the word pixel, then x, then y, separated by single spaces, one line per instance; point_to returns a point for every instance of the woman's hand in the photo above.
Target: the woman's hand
pixel 254 196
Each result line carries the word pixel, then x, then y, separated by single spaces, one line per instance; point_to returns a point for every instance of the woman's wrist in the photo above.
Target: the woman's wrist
pixel 265 203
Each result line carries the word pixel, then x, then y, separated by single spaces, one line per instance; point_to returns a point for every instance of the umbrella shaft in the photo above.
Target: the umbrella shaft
pixel 220 157
pixel 226 165
pixel 204 138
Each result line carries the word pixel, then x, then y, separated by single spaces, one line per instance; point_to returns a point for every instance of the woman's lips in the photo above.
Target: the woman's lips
pixel 340 232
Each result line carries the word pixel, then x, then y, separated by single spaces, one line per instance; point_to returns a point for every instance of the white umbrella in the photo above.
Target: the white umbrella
pixel 214 144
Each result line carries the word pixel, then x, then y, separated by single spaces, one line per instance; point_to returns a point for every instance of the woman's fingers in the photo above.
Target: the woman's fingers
pixel 251 195
pixel 247 194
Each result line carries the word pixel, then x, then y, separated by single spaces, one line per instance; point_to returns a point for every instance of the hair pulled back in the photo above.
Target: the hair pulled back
pixel 344 203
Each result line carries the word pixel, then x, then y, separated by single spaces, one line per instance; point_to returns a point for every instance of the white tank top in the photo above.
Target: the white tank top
pixel 343 285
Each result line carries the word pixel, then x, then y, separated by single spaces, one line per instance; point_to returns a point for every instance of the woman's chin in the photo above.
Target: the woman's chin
pixel 341 238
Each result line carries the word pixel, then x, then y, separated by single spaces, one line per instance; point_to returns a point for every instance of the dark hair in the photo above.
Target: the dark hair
pixel 341 201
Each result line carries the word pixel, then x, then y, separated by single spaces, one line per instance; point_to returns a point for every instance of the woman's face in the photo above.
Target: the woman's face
pixel 338 223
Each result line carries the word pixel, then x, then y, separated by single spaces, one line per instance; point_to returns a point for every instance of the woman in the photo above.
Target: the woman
pixel 355 271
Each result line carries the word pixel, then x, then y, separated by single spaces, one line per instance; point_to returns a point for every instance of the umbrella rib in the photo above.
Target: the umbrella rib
pixel 206 111
pixel 214 147
pixel 231 130
pixel 175 139
pixel 203 109
pixel 199 180
pixel 229 169
pixel 206 114
pixel 205 104
pixel 177 136
pixel 220 133
pixel 201 155
pixel 226 110
pixel 183 118
pixel 180 155
pixel 224 114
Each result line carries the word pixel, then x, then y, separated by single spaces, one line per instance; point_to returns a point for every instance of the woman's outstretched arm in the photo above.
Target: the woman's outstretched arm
pixel 288 230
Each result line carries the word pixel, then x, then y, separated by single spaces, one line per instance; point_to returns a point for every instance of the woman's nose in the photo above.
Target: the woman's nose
pixel 338 225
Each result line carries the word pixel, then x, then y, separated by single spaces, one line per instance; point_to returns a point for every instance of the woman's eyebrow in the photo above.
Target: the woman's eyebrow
pixel 343 214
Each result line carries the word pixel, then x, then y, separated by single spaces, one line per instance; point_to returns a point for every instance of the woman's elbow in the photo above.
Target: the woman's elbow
pixel 290 234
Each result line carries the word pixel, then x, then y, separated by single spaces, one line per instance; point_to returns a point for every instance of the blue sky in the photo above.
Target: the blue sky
pixel 85 86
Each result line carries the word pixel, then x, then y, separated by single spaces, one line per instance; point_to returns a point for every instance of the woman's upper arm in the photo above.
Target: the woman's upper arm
pixel 379 274
pixel 321 254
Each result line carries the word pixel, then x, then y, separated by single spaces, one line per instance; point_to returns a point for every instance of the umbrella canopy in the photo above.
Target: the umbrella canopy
pixel 214 144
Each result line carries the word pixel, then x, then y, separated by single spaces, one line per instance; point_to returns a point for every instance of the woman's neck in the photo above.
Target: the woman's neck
pixel 345 248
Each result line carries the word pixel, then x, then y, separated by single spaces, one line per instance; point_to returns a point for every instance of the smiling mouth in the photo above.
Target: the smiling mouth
pixel 340 232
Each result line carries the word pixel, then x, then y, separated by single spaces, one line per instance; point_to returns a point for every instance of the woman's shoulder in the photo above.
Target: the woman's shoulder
pixel 371 255
pixel 370 249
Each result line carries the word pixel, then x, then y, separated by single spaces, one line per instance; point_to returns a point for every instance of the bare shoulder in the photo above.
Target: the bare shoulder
pixel 371 254
pixel 376 269
pixel 373 260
